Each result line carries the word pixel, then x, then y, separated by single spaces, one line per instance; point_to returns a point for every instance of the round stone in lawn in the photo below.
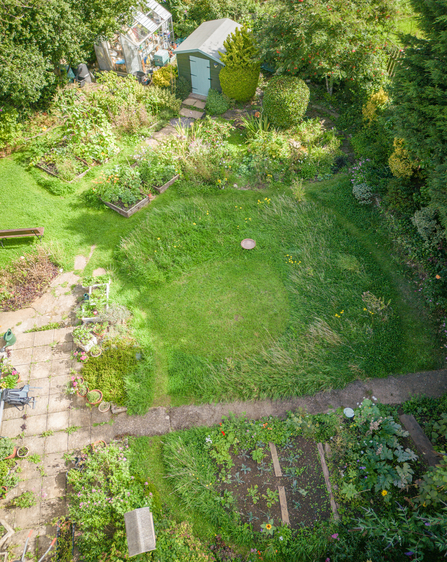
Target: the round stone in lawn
pixel 248 244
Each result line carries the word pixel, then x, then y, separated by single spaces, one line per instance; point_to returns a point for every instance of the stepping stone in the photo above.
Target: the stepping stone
pixel 191 113
pixel 117 409
pixel 165 132
pixel 198 97
pixel 80 262
pixel 152 142
pixel 183 121
pixel 99 271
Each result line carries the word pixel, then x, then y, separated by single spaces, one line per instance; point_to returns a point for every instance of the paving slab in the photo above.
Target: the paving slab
pixel 42 353
pixel 58 402
pixel 21 356
pixel 57 421
pixel 44 338
pixel 50 509
pixel 80 417
pixel 99 271
pixel 42 384
pixel 57 443
pixel 80 262
pixel 61 366
pixel 35 425
pixel 54 486
pixel 79 439
pixel 36 445
pixel 58 384
pixel 24 340
pixel 27 518
pixel 63 335
pixel 40 370
pixel 191 113
pixel 54 463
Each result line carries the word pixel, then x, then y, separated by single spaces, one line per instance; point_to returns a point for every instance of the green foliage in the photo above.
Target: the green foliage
pixel 103 491
pixel 182 88
pixel 6 447
pixel 34 42
pixel 107 371
pixel 239 83
pixel 216 104
pixel 340 42
pixel 165 76
pixel 123 184
pixel 433 488
pixel 176 541
pixel 156 168
pixel 10 128
pixel 25 500
pixel 239 78
pixel 419 101
pixel 285 101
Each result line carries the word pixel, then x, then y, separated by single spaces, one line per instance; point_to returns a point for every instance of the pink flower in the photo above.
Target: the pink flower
pixel 146 484
pixel 335 536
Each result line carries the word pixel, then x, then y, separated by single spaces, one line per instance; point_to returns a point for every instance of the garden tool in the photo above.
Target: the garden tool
pixel 48 549
pixel 9 339
pixel 26 545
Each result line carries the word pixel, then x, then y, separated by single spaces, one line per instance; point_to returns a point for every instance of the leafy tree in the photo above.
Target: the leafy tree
pixel 35 36
pixel 335 40
pixel 420 99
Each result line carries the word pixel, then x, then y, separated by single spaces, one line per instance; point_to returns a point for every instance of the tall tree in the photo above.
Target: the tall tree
pixel 334 40
pixel 420 99
pixel 35 35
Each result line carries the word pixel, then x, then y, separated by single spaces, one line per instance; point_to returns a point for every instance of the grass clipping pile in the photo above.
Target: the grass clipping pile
pixel 26 279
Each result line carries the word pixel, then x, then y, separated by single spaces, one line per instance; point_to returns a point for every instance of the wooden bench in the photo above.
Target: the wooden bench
pixel 21 233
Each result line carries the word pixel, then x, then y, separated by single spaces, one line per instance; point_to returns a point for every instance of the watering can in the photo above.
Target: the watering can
pixel 9 338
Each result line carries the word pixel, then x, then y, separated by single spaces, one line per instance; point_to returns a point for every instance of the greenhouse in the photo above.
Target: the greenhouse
pixel 142 46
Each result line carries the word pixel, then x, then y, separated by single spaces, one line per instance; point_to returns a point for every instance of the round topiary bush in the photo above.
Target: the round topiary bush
pixel 285 101
pixel 239 83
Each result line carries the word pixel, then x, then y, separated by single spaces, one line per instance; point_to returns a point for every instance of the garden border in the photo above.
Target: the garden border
pixel 126 214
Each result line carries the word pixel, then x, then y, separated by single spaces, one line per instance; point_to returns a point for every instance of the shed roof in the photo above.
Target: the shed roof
pixel 208 38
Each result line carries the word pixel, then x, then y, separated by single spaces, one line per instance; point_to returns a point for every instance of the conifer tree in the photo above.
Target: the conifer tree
pixel 420 99
pixel 239 78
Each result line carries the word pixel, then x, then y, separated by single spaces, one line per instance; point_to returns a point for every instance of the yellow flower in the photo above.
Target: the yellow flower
pixel 268 526
pixel 219 181
pixel 193 223
pixel 226 179
pixel 384 493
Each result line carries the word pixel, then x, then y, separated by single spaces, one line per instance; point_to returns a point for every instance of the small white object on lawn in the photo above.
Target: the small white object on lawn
pixel 248 244
pixel 348 412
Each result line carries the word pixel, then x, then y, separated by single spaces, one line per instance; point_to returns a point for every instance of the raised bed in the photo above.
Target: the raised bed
pixel 132 210
pixel 164 187
pixel 53 172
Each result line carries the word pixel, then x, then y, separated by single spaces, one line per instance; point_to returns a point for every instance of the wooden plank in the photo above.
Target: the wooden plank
pixel 328 482
pixel 283 504
pixel 275 459
pixel 421 441
pixel 164 187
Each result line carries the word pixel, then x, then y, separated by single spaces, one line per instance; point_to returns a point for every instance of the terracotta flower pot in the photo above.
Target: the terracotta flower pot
pixel 82 394
pixel 96 401
pixel 99 444
pixel 12 455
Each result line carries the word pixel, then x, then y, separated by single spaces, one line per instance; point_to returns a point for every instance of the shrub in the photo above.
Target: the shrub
pixel 376 102
pixel 216 104
pixel 285 101
pixel 182 88
pixel 400 163
pixel 121 185
pixel 6 447
pixel 362 192
pixel 165 76
pixel 400 195
pixel 428 227
pixel 240 76
pixel 10 129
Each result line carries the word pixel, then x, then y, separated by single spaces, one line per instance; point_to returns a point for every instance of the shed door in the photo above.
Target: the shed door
pixel 200 75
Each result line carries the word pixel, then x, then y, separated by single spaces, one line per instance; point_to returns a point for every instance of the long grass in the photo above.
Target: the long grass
pixel 307 269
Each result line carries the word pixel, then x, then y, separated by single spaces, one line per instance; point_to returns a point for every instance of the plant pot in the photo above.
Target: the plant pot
pixel 22 452
pixel 12 455
pixel 87 347
pixel 4 491
pixel 96 401
pixel 81 393
pixel 104 407
pixel 96 354
pixel 99 444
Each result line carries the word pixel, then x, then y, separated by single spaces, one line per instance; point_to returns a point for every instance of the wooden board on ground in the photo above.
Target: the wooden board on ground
pixel 328 482
pixel 283 504
pixel 276 465
pixel 421 441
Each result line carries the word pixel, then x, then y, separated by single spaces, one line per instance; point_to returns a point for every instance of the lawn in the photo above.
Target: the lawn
pixel 321 301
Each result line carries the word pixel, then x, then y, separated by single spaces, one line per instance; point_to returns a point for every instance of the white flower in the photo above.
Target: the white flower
pixel 374 398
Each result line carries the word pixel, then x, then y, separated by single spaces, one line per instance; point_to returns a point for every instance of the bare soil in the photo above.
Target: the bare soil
pixel 302 478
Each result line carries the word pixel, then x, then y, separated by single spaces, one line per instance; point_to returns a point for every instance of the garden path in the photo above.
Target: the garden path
pixel 60 423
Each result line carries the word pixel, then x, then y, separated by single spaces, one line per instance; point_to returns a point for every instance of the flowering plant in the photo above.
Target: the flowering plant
pixel 76 384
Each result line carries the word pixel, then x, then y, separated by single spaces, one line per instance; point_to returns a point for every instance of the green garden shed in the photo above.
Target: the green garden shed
pixel 198 56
